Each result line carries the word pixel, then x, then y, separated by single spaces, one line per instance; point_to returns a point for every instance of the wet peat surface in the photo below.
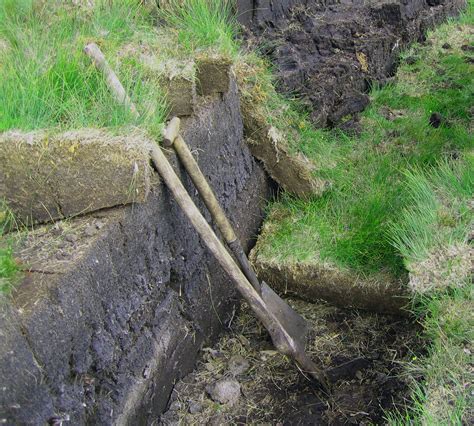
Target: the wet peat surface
pixel 363 354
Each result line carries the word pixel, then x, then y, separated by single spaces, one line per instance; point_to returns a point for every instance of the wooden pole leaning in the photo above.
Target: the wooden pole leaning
pixel 281 339
pixel 113 83
pixel 171 137
pixel 283 342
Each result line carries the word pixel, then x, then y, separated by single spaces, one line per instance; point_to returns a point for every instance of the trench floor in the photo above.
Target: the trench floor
pixel 363 354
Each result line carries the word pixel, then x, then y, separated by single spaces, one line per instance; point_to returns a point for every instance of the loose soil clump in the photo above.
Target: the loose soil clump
pixel 362 353
pixel 330 53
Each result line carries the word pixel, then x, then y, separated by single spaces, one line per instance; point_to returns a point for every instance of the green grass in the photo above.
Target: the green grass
pixel 438 219
pixel 442 379
pixel 8 265
pixel 47 81
pixel 200 24
pixel 440 209
pixel 8 269
pixel 350 225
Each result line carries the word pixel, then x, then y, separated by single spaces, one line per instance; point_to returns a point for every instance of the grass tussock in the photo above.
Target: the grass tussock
pixel 433 233
pixel 201 24
pixel 442 379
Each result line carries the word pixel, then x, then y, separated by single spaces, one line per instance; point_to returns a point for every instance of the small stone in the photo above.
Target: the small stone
pixel 90 231
pixel 243 340
pixel 71 238
pixel 175 406
pixel 217 420
pixel 61 255
pixel 56 230
pixel 238 365
pixel 226 391
pixel 99 224
pixel 195 407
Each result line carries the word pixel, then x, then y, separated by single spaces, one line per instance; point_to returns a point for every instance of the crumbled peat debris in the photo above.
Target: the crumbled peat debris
pixel 330 53
pixel 362 353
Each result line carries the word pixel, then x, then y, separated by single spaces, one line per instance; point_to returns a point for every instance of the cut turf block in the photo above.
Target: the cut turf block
pixel 292 171
pixel 289 168
pixel 53 176
pixel 317 280
pixel 177 79
pixel 213 74
pixel 178 82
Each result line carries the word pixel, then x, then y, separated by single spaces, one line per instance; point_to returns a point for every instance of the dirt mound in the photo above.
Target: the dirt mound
pixel 329 52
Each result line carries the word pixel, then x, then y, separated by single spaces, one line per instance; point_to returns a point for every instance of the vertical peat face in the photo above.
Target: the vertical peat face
pixel 114 306
pixel 330 52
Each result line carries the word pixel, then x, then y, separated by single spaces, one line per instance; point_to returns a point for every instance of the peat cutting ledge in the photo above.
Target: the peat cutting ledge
pixel 117 304
pixel 329 52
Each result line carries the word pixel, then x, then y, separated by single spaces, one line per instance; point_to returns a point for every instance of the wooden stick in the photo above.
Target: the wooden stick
pixel 209 237
pixel 284 343
pixel 171 132
pixel 118 91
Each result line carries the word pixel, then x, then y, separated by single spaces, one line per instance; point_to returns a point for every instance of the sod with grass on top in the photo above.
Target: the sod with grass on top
pixel 350 246
pixel 46 81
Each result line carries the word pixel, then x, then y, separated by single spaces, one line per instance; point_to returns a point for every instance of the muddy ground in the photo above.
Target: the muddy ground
pixel 329 53
pixel 362 353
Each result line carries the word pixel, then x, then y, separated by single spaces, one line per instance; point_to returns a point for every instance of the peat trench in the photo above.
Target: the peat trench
pixel 131 296
pixel 329 54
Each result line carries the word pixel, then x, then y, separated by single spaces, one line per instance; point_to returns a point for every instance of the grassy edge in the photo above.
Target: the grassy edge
pixel 442 380
pixel 9 270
